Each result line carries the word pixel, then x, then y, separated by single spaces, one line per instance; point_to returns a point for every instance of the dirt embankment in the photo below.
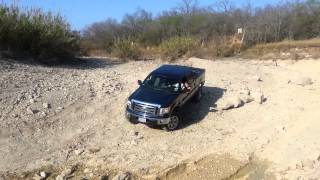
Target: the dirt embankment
pixel 256 119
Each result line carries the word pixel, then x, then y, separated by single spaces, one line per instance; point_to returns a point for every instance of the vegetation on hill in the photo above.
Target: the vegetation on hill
pixel 31 32
pixel 214 29
pixel 219 30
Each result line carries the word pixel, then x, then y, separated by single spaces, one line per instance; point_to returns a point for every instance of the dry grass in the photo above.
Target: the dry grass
pixel 287 49
pixel 288 44
pixel 218 48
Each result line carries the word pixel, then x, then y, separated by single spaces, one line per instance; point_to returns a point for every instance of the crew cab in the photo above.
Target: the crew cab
pixel 159 98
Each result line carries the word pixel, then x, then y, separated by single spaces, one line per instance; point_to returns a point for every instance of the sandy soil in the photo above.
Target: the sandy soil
pixel 52 118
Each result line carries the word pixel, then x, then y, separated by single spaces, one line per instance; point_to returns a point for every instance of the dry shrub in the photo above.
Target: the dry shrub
pixel 216 48
pixel 287 49
pixel 177 47
pixel 87 47
pixel 150 53
pixel 289 44
pixel 126 50
pixel 44 36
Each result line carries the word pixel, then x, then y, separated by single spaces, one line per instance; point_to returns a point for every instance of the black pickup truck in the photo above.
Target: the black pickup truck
pixel 161 95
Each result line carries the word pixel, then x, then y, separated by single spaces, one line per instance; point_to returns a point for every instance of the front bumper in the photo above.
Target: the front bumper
pixel 152 120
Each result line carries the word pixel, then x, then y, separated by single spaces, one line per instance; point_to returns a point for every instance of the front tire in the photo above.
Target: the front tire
pixel 132 120
pixel 174 123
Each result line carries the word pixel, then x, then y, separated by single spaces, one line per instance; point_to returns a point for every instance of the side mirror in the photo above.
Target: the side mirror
pixel 139 82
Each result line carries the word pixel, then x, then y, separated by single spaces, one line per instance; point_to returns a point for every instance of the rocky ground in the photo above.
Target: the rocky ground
pixel 257 119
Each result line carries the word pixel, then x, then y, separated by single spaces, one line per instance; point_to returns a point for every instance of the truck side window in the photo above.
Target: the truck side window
pixel 182 86
pixel 185 84
pixel 157 82
pixel 175 87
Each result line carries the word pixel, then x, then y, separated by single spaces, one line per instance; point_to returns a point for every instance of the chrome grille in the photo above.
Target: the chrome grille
pixel 145 108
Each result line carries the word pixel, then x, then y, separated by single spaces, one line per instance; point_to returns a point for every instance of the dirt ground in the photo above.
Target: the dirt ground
pixel 53 118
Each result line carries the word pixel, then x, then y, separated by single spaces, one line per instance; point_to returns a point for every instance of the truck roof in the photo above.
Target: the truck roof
pixel 173 71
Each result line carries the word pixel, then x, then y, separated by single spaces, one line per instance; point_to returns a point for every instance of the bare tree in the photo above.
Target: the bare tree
pixel 225 5
pixel 188 6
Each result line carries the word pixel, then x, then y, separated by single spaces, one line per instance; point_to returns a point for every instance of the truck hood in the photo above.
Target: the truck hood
pixel 153 96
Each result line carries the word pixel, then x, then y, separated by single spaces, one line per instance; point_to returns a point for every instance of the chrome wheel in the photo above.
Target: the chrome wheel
pixel 174 122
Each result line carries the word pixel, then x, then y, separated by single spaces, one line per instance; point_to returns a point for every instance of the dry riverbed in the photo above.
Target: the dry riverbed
pixel 257 119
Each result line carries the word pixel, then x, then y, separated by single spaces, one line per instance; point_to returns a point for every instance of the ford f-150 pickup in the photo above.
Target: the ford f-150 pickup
pixel 161 95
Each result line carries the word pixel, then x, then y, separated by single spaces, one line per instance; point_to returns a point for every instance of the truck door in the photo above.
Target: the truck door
pixel 186 95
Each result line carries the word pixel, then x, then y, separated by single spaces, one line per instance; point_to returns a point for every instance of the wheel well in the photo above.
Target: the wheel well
pixel 176 109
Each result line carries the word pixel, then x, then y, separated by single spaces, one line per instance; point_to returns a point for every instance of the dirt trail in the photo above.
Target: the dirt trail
pixel 84 122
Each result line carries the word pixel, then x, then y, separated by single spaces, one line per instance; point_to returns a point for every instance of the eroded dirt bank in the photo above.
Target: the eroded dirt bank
pixel 64 116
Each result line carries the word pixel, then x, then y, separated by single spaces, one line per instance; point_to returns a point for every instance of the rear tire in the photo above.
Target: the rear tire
pixel 174 123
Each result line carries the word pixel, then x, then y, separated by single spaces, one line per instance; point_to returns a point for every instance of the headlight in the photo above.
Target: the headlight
pixel 164 111
pixel 129 104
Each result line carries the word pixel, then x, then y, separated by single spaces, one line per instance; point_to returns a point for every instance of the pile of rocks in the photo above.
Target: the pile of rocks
pixel 236 100
pixel 87 173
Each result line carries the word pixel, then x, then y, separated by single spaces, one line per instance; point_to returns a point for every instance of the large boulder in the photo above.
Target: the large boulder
pixel 246 98
pixel 303 81
pixel 229 102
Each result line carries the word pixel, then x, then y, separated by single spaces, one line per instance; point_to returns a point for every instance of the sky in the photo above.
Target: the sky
pixel 81 13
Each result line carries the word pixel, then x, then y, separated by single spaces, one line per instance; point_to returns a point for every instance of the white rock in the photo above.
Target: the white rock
pixel 299 166
pixel 30 111
pixel 246 98
pixel 258 97
pixel 59 177
pixel 237 102
pixel 64 174
pixel 303 81
pixel 43 174
pixel 86 171
pixel 46 105
pixel 78 151
pixel 43 114
pixel 32 101
pixel 122 176
pixel 245 91
pixel 307 163
pixel 60 108
pixel 257 78
pixel 228 105
pixel 230 102
pixel 134 142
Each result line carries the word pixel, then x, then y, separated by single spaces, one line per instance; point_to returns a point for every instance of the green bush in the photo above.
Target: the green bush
pixel 126 49
pixel 43 36
pixel 176 47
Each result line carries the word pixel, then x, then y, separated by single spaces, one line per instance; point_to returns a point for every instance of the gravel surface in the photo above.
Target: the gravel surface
pixel 55 117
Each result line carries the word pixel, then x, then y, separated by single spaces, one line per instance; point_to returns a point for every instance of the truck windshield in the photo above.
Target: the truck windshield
pixel 161 83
